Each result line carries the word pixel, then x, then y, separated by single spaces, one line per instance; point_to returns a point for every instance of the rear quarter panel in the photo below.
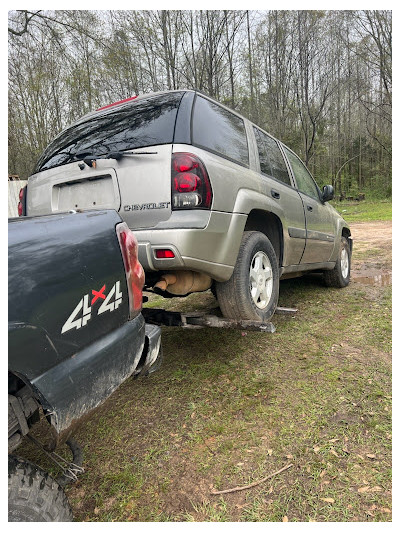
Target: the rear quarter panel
pixel 53 262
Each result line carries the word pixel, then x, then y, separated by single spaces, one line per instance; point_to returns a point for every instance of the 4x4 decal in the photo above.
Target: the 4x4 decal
pixel 83 311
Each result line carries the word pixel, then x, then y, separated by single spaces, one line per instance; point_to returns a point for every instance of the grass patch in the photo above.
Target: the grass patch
pixel 364 211
pixel 227 408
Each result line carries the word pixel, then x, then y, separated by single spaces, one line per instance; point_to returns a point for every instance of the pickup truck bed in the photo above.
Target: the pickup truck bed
pixel 73 338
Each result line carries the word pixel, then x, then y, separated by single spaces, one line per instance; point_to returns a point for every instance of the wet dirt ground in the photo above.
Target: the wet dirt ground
pixel 372 253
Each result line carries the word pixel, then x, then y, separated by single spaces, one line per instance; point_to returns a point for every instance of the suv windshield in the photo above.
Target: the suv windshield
pixel 135 125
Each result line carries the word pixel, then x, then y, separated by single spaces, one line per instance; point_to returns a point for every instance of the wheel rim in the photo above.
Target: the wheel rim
pixel 344 263
pixel 261 280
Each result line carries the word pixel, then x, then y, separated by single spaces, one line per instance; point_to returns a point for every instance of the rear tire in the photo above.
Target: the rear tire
pixel 33 495
pixel 340 276
pixel 253 289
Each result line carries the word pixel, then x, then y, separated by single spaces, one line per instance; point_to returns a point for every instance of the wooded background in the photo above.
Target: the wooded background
pixel 320 81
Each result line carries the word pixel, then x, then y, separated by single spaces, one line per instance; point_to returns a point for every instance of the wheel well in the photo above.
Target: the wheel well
pixel 269 224
pixel 346 233
pixel 23 410
pixel 15 383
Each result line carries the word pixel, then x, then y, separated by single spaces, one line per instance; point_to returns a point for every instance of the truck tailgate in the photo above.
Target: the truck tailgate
pixel 58 285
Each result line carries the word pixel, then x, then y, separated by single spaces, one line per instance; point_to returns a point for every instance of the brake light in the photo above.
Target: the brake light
pixel 117 103
pixel 22 202
pixel 133 269
pixel 191 187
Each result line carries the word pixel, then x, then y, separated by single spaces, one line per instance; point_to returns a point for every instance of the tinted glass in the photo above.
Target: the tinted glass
pixel 141 123
pixel 305 182
pixel 271 159
pixel 219 130
pixel 265 164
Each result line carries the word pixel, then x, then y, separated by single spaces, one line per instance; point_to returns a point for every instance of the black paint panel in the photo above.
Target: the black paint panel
pixel 53 262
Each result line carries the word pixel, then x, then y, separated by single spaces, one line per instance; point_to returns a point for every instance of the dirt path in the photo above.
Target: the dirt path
pixel 372 251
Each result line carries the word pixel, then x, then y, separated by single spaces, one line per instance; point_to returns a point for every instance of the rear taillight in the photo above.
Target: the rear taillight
pixel 191 187
pixel 22 202
pixel 133 269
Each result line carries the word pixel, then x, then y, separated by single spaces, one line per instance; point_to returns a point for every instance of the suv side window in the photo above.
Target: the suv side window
pixel 218 130
pixel 271 159
pixel 304 180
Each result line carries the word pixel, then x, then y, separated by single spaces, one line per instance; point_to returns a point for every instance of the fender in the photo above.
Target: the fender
pixel 292 234
pixel 341 228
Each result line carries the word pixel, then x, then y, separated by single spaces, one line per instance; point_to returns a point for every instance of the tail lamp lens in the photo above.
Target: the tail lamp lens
pixel 133 269
pixel 22 202
pixel 165 254
pixel 191 187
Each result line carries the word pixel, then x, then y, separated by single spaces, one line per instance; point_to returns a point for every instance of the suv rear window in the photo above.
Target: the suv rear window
pixel 220 131
pixel 138 124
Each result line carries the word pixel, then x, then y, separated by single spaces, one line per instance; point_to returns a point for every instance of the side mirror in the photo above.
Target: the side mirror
pixel 328 192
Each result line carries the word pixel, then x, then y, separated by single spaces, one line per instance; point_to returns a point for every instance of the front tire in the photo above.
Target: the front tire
pixel 33 495
pixel 340 276
pixel 253 289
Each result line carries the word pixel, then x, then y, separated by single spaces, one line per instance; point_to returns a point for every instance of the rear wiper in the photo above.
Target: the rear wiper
pixel 120 155
pixel 90 160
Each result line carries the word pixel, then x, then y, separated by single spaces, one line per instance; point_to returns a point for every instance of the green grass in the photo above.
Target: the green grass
pixel 228 408
pixel 364 211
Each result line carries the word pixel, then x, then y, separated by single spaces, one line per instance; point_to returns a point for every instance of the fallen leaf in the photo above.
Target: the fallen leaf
pixel 289 456
pixel 328 500
pixel 371 456
pixel 385 510
pixel 363 489
pixel 375 489
pixel 285 519
pixel 239 464
pixel 333 452
pixel 96 510
pixel 269 452
pixel 322 473
pixel 316 449
pixel 333 440
pixel 193 414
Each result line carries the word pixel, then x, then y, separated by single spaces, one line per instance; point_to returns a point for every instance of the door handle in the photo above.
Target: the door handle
pixel 309 208
pixel 275 194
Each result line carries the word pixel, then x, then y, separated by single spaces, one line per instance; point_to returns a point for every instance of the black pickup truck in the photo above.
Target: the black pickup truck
pixel 75 333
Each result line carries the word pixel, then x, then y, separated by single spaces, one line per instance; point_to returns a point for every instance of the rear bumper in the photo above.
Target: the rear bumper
pixel 212 250
pixel 73 388
pixel 152 352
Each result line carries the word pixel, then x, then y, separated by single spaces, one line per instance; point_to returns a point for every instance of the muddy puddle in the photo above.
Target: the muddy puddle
pixel 379 280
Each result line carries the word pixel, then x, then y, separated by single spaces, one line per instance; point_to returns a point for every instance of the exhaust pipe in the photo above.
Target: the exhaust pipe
pixel 183 282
